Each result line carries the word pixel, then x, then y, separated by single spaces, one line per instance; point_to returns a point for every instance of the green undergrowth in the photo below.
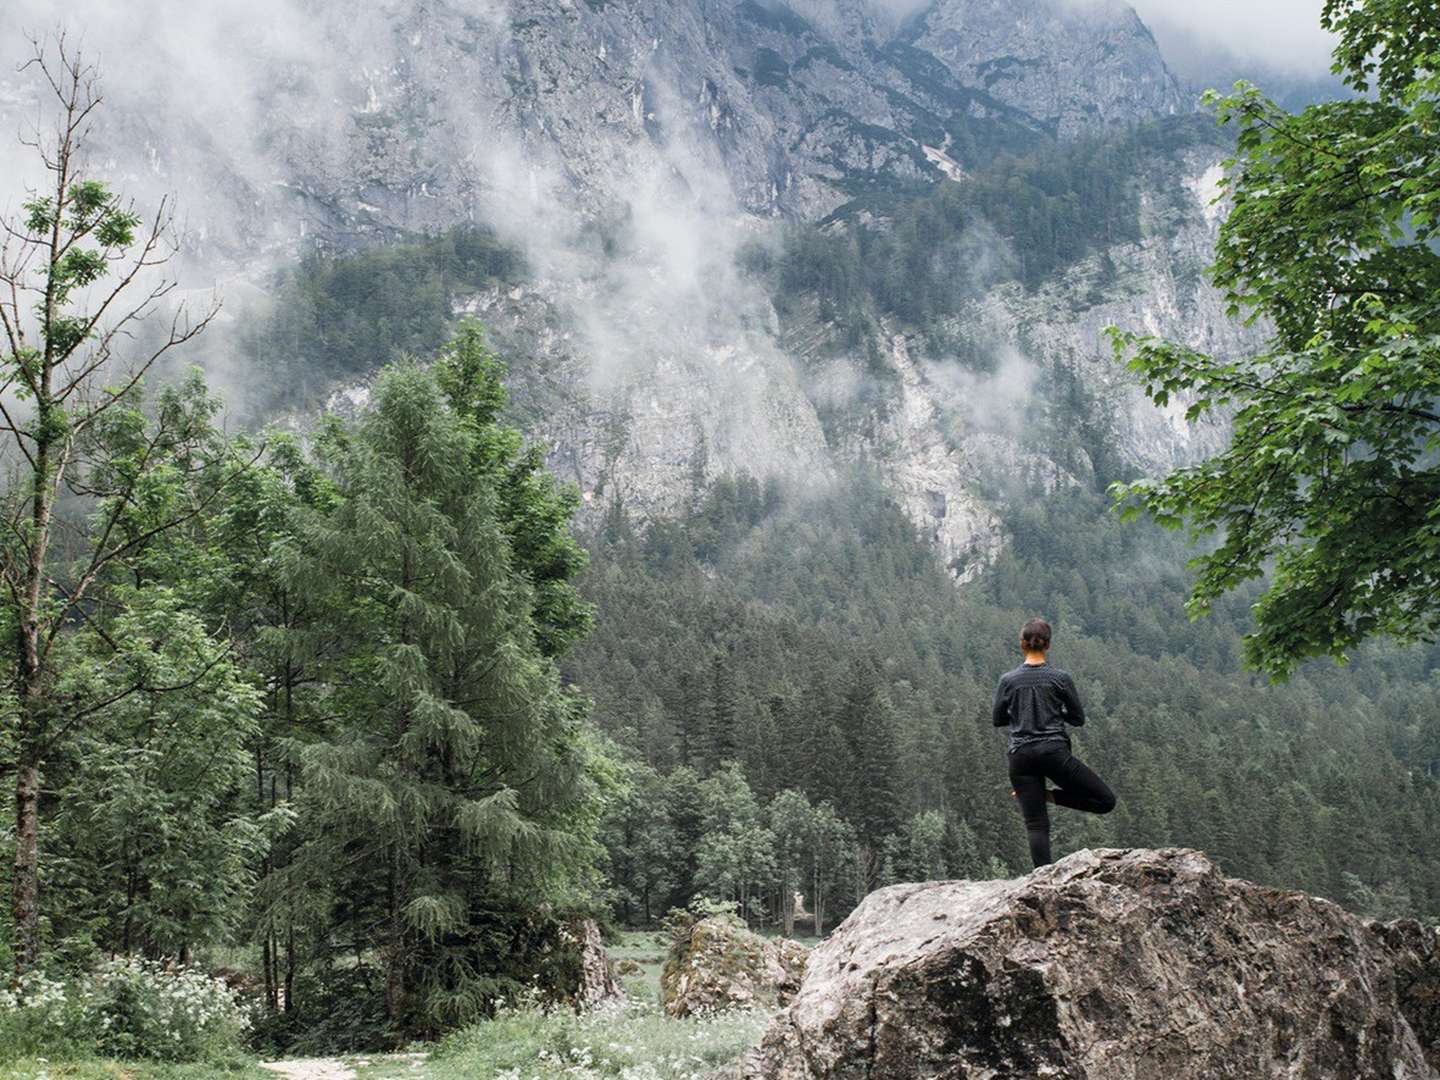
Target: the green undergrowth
pixel 40 1068
pixel 639 958
pixel 640 1043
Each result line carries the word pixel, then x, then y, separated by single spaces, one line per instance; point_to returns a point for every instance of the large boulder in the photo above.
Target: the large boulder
pixel 715 964
pixel 1127 965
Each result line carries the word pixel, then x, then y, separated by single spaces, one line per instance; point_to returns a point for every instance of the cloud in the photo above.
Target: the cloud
pixel 1281 35
pixel 249 108
pixel 900 8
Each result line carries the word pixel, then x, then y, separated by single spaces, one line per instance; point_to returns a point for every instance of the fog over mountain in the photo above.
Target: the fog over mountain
pixel 1283 36
pixel 680 135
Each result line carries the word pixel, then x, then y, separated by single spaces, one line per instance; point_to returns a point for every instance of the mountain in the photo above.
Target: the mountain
pixel 634 153
pixel 403 117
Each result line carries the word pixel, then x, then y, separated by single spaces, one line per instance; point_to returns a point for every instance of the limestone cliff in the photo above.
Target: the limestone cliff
pixel 628 151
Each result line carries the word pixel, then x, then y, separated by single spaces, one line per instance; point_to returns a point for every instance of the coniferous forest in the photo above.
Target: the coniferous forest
pixel 361 713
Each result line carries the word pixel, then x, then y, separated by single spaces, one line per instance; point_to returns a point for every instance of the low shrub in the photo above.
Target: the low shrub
pixel 126 1008
pixel 530 1042
pixel 41 1016
pixel 336 1011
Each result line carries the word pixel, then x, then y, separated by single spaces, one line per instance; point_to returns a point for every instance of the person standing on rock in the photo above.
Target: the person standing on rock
pixel 1036 701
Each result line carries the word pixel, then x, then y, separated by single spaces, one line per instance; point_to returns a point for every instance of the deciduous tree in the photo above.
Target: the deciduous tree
pixel 78 275
pixel 1332 477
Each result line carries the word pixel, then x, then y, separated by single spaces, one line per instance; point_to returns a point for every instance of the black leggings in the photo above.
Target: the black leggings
pixel 1077 786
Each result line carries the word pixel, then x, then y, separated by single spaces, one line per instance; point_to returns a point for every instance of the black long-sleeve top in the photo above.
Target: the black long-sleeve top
pixel 1037 701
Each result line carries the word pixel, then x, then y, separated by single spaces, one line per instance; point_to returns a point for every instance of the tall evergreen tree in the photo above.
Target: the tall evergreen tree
pixel 872 802
pixel 270 617
pixel 459 788
pixel 723 710
pixel 534 511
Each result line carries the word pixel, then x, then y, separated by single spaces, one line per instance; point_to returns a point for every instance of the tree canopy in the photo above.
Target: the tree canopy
pixel 1331 481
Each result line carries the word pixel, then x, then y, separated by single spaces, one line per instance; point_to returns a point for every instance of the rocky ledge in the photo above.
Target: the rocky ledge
pixel 1127 965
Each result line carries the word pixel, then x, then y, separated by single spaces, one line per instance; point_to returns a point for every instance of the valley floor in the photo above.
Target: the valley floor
pixel 523 1043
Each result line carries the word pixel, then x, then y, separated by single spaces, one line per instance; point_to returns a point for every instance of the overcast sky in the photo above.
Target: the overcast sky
pixel 1285 34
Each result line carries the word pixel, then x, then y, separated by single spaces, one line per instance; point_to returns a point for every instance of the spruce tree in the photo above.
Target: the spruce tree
pixel 533 510
pixel 271 619
pixel 872 803
pixel 723 710
pixel 457 795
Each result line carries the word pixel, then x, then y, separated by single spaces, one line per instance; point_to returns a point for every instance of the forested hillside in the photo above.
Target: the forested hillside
pixel 864 755
pixel 814 641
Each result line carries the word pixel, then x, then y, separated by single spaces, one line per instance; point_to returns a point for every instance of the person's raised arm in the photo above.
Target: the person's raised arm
pixel 1000 712
pixel 1074 711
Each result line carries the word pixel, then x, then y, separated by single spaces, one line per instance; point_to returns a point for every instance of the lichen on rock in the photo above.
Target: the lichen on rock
pixel 597 987
pixel 716 964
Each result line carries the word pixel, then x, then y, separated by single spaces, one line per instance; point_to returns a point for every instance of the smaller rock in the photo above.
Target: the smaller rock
pixel 598 988
pixel 627 967
pixel 716 964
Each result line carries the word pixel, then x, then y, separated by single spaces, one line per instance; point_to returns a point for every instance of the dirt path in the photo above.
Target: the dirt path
pixel 311 1069
pixel 339 1068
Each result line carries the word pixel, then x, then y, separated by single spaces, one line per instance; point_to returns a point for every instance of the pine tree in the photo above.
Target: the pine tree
pixel 534 511
pixel 458 787
pixel 685 704
pixel 872 802
pixel 722 718
pixel 270 620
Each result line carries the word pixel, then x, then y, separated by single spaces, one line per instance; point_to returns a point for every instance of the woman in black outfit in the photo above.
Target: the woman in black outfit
pixel 1036 701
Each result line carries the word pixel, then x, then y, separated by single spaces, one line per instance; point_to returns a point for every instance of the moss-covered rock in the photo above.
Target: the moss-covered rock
pixel 716 964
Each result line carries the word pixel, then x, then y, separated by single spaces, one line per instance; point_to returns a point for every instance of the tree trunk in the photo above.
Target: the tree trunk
pixel 30 663
pixel 394 960
pixel 267 964
pixel 290 964
pixel 819 904
pixel 26 883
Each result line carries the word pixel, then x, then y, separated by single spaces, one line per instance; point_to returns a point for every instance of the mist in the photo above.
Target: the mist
pixel 281 125
pixel 1280 36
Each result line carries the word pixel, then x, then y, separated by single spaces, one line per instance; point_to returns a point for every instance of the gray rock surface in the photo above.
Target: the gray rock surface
pixel 1072 66
pixel 683 128
pixel 715 964
pixel 356 121
pixel 1122 965
pixel 598 988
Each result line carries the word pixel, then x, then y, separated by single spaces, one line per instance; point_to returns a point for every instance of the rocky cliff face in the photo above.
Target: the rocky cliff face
pixel 413 114
pixel 1126 965
pixel 1073 67
pixel 628 150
